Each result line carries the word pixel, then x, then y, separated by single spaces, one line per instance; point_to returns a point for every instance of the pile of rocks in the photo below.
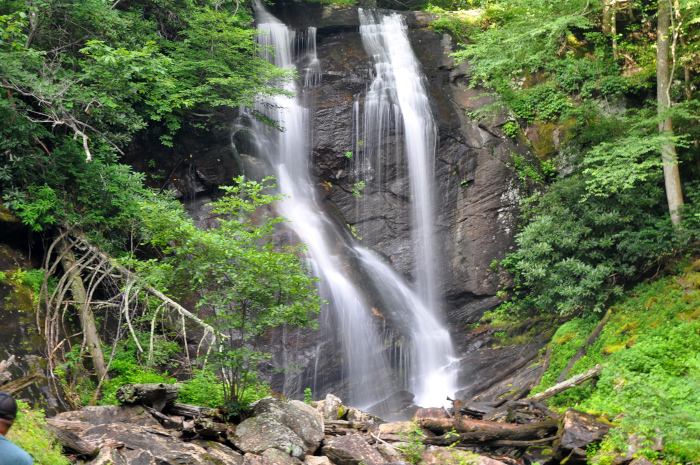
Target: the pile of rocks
pixel 281 432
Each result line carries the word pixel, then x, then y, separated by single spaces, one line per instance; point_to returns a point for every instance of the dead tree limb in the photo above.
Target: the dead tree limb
pixel 582 351
pixel 87 318
pixel 569 383
pixel 15 387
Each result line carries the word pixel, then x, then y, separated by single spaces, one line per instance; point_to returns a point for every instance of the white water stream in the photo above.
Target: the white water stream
pixel 426 352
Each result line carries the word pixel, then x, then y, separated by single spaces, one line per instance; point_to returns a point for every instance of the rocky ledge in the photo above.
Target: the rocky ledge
pixel 283 432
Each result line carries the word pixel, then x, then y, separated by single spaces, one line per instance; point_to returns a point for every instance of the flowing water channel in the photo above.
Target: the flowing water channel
pixel 376 360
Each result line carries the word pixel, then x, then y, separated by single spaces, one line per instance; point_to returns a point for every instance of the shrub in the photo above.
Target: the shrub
pixel 29 433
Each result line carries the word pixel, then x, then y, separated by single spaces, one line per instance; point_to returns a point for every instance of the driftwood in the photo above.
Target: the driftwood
pixel 569 383
pixel 163 419
pixel 15 387
pixel 194 411
pixel 156 395
pixel 582 351
pixel 74 444
pixel 484 432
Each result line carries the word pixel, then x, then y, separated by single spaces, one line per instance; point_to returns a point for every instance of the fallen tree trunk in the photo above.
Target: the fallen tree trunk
pixel 156 395
pixel 74 444
pixel 194 411
pixel 462 425
pixel 582 351
pixel 15 387
pixel 493 431
pixel 569 383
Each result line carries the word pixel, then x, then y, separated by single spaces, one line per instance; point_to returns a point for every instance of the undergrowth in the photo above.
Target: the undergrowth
pixel 650 386
pixel 28 433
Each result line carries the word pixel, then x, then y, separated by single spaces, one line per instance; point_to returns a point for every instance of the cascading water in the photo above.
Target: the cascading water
pixel 289 154
pixel 347 321
pixel 397 103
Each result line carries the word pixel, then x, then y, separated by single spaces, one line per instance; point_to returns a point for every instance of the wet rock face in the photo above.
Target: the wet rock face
pixel 476 192
pixel 578 430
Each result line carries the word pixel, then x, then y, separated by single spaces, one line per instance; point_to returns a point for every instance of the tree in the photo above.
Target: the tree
pixel 237 271
pixel 672 179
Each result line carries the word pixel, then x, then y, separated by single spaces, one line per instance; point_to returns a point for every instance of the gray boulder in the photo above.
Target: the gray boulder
pixel 256 435
pixel 127 444
pixel 305 421
pixel 351 450
pixel 332 407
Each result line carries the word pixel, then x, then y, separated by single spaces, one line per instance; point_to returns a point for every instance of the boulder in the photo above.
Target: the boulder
pixel 392 404
pixel 102 415
pixel 578 429
pixel 127 444
pixel 429 413
pixel 313 460
pixel 357 415
pixel 305 421
pixel 332 407
pixel 351 450
pixel 257 434
pixel 277 457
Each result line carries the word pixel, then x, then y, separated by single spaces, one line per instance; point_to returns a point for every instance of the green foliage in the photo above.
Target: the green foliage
pixel 130 366
pixel 575 256
pixel 651 381
pixel 413 443
pixel 80 79
pixel 249 283
pixel 511 129
pixel 308 396
pixel 348 155
pixel 357 189
pixel 203 388
pixel 29 433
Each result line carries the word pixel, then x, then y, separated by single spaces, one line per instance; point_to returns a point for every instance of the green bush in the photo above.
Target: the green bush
pixel 203 389
pixel 28 432
pixel 574 256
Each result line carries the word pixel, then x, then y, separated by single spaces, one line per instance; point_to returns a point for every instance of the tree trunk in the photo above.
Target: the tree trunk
pixel 672 179
pixel 87 318
pixel 608 17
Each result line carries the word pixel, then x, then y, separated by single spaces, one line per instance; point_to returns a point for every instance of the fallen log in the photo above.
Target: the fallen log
pixel 462 425
pixel 497 432
pixel 15 387
pixel 534 442
pixel 156 395
pixel 569 383
pixel 582 351
pixel 163 419
pixel 73 444
pixel 194 411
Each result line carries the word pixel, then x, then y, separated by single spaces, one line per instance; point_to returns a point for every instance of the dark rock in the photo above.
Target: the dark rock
pixel 305 421
pixel 351 450
pixel 392 404
pixel 539 454
pixel 578 430
pixel 257 434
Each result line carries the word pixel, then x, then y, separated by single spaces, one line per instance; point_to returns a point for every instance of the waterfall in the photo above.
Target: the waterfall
pixel 336 258
pixel 397 103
